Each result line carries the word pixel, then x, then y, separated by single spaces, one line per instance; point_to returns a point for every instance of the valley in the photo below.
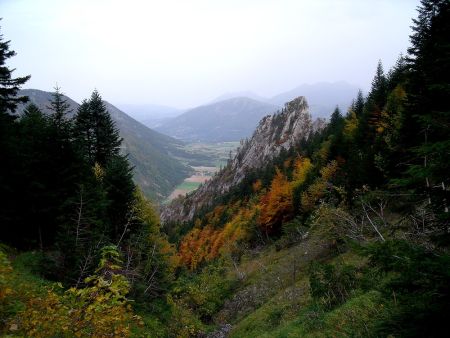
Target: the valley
pixel 321 211
pixel 215 156
pixel 200 176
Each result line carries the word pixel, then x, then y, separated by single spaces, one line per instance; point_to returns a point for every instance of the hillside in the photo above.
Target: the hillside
pixel 274 134
pixel 156 170
pixel 229 120
pixel 312 228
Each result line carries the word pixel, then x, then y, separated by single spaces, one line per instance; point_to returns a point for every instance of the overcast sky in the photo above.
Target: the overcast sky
pixel 186 52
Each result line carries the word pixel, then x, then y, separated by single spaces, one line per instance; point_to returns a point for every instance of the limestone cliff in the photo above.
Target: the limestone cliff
pixel 275 132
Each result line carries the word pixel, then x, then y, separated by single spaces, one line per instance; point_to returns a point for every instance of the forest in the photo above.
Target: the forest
pixel 344 235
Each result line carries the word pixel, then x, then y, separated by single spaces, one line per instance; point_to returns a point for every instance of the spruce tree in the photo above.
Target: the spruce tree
pixel 107 139
pixel 9 149
pixel 97 135
pixel 427 116
pixel 59 108
pixel 9 86
pixel 84 132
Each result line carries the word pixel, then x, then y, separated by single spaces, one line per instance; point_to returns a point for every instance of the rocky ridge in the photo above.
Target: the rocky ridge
pixel 274 133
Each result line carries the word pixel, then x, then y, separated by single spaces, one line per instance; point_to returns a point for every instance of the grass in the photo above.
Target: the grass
pixel 284 307
pixel 188 186
pixel 216 154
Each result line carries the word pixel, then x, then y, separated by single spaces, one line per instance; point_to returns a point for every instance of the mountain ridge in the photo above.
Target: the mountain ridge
pixel 229 120
pixel 274 133
pixel 151 153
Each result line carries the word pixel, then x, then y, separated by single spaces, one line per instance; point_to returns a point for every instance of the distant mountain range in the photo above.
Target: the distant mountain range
pixel 228 120
pixel 234 116
pixel 150 115
pixel 156 170
pixel 322 97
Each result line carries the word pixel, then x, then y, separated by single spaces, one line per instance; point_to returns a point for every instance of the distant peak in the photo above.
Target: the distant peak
pixel 297 104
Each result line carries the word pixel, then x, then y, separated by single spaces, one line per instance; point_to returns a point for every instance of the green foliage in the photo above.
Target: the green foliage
pixel 100 309
pixel 204 293
pixel 9 85
pixel 331 285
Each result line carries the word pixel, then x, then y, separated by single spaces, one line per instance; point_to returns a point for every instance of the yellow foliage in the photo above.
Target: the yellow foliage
pixel 302 167
pixel 318 189
pixel 351 125
pixel 98 171
pixel 98 310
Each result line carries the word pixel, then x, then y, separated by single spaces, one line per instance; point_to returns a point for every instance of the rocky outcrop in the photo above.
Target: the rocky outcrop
pixel 274 133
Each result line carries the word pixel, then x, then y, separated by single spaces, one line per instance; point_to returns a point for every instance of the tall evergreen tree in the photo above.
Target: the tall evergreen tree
pixel 107 139
pixel 59 108
pixel 9 151
pixel 9 86
pixel 378 92
pixel 84 131
pixel 428 111
pixel 96 132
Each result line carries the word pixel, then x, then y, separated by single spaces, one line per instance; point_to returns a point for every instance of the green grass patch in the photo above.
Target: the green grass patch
pixel 188 186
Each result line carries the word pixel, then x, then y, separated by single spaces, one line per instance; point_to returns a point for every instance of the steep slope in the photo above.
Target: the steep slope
pixel 229 120
pixel 275 133
pixel 322 97
pixel 156 170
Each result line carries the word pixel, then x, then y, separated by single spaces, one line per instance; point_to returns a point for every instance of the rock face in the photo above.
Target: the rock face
pixel 274 133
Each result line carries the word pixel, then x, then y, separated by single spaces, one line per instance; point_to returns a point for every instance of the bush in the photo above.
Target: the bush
pixel 331 285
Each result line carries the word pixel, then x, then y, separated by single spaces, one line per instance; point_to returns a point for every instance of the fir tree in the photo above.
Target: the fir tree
pixel 428 111
pixel 59 108
pixel 107 139
pixel 9 86
pixel 96 132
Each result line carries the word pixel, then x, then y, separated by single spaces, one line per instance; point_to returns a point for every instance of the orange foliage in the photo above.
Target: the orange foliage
pixel 257 186
pixel 276 204
pixel 208 243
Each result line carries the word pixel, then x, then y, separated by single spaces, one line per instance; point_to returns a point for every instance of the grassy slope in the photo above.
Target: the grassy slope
pixel 273 300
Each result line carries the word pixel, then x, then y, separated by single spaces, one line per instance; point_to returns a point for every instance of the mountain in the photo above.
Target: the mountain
pixel 246 93
pixel 228 120
pixel 322 96
pixel 152 154
pixel 150 115
pixel 274 134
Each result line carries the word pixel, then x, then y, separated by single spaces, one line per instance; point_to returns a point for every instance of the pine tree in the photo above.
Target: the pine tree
pixel 9 148
pixel 97 135
pixel 336 122
pixel 378 92
pixel 9 86
pixel 107 139
pixel 358 107
pixel 428 112
pixel 84 132
pixel 59 108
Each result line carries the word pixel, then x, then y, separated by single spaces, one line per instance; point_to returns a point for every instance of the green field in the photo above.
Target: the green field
pixel 213 154
pixel 188 186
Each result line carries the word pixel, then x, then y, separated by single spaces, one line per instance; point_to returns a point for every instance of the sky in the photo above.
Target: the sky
pixel 182 53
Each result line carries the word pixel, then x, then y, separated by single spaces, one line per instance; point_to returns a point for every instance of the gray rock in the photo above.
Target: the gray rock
pixel 274 133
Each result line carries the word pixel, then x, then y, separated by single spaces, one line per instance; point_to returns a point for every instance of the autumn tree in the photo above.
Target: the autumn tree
pixel 276 204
